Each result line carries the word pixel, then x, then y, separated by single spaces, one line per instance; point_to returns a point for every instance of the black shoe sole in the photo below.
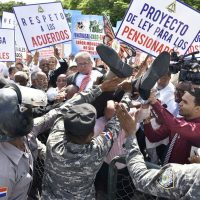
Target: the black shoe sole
pixel 159 68
pixel 110 57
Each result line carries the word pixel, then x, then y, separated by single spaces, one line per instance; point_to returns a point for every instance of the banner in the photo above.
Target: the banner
pixel 9 21
pixel 156 26
pixel 195 46
pixel 42 25
pixel 47 52
pixel 87 33
pixel 7 45
pixel 70 14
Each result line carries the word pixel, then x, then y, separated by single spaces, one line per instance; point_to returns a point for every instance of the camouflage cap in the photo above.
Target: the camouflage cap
pixel 80 119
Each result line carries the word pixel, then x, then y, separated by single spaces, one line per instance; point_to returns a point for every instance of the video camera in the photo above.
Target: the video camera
pixel 189 68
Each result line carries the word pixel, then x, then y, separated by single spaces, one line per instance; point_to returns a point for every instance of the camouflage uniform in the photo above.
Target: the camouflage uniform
pixel 70 169
pixel 172 181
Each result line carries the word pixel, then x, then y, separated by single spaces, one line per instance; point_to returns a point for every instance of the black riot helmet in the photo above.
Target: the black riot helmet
pixel 15 118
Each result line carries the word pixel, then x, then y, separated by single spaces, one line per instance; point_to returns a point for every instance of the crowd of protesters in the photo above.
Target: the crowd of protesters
pixel 83 127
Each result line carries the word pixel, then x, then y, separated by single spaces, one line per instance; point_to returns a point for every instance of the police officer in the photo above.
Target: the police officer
pixel 16 158
pixel 18 144
pixel 172 181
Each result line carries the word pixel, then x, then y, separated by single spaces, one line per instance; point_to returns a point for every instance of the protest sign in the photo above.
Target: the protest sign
pixel 87 33
pixel 9 21
pixel 156 26
pixel 42 25
pixel 67 49
pixel 48 52
pixel 195 46
pixel 7 45
pixel 69 14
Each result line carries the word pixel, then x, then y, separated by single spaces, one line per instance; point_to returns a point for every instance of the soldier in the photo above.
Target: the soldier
pixel 172 181
pixel 73 156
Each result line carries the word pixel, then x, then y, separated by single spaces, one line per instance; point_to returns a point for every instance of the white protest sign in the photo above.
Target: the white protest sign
pixel 42 25
pixel 7 45
pixel 156 26
pixel 195 46
pixel 9 21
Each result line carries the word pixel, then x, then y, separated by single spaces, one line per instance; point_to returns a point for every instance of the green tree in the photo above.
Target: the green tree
pixel 8 6
pixel 194 3
pixel 114 8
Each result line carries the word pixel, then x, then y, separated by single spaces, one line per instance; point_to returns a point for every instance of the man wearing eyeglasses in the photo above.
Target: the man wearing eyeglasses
pixel 87 73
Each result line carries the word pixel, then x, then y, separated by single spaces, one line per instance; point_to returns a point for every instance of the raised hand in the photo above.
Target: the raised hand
pixel 110 85
pixel 56 52
pixel 127 121
pixel 125 85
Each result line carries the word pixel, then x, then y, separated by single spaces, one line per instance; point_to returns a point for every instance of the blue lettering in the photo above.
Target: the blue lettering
pixel 156 15
pixel 56 16
pixel 163 16
pixel 31 21
pixel 130 15
pixel 184 30
pixel 23 21
pixel 167 21
pixel 50 17
pixel 145 8
pixel 44 18
pixel 171 27
pixel 38 19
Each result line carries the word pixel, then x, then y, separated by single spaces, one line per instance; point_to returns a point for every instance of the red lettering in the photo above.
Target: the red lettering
pixel 126 29
pixel 34 43
pixel 57 36
pixel 39 37
pixel 62 35
pixel 66 34
pixel 49 38
pixel 53 37
pixel 4 55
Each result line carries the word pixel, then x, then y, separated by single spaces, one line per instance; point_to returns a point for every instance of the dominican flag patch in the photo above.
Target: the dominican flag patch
pixel 3 191
pixel 108 135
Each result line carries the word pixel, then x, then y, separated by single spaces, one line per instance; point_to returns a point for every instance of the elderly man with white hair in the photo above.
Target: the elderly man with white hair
pixel 87 74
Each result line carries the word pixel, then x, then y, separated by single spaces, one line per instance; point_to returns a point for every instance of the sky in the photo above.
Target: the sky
pixel 29 1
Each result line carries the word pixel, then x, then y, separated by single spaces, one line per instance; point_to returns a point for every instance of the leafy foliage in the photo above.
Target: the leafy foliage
pixel 8 6
pixel 114 8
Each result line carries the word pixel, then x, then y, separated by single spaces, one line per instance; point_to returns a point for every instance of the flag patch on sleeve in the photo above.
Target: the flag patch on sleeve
pixel 3 191
pixel 108 135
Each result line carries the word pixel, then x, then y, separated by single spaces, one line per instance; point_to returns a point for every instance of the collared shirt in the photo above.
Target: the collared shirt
pixel 15 172
pixel 117 148
pixel 16 166
pixel 166 96
pixel 189 133
pixel 93 77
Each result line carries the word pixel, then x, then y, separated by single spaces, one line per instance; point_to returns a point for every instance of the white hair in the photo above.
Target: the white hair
pixel 84 54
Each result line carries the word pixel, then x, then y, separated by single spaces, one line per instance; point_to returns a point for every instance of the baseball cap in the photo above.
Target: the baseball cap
pixel 80 119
